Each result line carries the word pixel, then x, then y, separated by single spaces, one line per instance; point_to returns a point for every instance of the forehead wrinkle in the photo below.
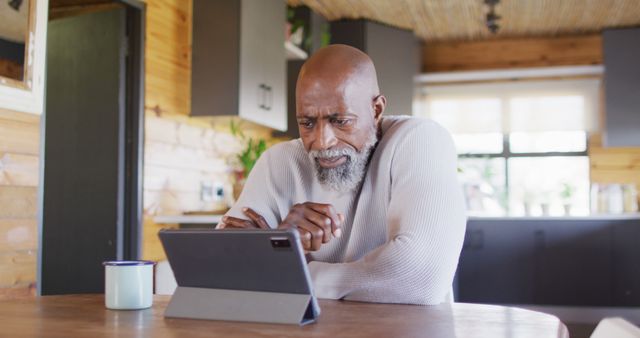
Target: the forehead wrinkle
pixel 314 112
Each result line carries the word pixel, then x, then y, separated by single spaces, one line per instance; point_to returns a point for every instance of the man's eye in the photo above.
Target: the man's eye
pixel 341 122
pixel 306 124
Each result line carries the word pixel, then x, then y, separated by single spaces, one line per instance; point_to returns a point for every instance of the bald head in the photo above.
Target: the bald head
pixel 338 66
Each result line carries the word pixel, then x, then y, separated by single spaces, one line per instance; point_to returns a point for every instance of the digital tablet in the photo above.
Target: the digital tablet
pixel 246 275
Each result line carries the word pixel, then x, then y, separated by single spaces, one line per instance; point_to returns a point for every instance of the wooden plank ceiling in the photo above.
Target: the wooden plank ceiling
pixel 438 20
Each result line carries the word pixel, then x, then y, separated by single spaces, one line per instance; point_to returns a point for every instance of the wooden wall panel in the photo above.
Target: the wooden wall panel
pixel 18 202
pixel 17 268
pixel 512 53
pixel 19 173
pixel 168 56
pixel 19 137
pixel 18 234
pixel 18 169
pixel 614 165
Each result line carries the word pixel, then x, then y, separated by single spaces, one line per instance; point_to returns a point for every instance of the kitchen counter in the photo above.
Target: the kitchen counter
pixel 593 217
pixel 211 219
pixel 188 219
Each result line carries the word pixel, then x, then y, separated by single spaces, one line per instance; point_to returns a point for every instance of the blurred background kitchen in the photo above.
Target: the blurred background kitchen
pixel 541 97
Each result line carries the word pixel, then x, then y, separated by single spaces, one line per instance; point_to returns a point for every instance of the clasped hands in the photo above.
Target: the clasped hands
pixel 317 223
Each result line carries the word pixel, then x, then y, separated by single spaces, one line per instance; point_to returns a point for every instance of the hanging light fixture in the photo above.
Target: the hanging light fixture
pixel 492 18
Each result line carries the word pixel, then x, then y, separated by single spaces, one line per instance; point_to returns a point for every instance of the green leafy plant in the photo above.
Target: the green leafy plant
pixel 567 191
pixel 323 33
pixel 252 150
pixel 296 23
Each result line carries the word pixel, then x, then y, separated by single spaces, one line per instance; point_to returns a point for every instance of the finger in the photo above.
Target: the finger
pixel 305 238
pixel 315 232
pixel 330 211
pixel 238 222
pixel 233 226
pixel 256 218
pixel 321 221
pixel 220 225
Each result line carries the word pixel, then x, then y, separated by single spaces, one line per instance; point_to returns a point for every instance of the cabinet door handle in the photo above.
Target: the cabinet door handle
pixel 263 96
pixel 269 97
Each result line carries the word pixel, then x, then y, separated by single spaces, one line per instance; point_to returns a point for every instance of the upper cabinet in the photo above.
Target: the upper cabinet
pixel 622 87
pixel 238 60
pixel 395 53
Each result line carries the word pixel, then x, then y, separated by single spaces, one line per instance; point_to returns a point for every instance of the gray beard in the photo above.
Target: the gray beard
pixel 347 176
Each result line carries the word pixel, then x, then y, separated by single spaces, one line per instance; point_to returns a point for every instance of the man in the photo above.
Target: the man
pixel 375 199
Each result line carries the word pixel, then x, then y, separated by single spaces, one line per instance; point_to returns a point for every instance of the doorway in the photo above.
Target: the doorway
pixel 93 142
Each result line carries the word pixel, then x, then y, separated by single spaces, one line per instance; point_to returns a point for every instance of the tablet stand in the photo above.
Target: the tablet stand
pixel 240 305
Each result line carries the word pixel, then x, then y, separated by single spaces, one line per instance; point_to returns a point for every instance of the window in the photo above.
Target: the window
pixel 522 146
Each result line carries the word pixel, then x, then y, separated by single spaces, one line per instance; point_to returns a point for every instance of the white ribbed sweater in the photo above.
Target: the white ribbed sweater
pixel 403 229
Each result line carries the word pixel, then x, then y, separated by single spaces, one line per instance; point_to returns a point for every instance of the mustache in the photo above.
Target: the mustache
pixel 329 153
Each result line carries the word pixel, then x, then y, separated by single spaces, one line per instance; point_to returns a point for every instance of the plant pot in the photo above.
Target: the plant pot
pixel 545 209
pixel 527 209
pixel 567 209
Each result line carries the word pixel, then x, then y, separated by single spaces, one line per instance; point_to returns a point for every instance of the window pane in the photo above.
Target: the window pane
pixel 540 142
pixel 487 143
pixel 547 113
pixel 545 185
pixel 468 115
pixel 483 181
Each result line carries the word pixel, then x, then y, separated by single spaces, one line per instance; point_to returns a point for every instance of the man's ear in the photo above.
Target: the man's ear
pixel 379 103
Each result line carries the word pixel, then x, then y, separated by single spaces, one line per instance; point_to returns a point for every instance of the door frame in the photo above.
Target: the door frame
pixel 131 155
pixel 134 130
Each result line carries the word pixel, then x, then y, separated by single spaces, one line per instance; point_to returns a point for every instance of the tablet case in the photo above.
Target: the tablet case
pixel 239 275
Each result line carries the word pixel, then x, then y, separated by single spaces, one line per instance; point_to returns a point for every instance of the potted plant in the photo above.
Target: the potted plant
pixel 545 202
pixel 246 158
pixel 566 194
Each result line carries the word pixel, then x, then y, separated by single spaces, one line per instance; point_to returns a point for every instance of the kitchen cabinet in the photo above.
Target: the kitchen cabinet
pixel 238 61
pixel 625 264
pixel 573 263
pixel 555 261
pixel 496 264
pixel 622 87
pixel 395 53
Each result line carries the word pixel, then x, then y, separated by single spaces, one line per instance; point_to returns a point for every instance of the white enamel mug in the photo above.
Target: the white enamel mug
pixel 128 285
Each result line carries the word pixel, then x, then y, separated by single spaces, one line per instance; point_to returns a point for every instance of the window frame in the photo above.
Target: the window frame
pixel 507 154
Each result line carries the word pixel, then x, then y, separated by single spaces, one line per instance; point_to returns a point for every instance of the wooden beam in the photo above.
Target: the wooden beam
pixel 512 53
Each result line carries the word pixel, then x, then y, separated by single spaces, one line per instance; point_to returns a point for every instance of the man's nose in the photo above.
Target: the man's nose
pixel 326 138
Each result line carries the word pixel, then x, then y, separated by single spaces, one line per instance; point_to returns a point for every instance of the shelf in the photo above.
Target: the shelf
pixel 294 52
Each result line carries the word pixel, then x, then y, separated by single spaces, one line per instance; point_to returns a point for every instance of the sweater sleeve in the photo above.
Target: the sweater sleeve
pixel 257 193
pixel 426 222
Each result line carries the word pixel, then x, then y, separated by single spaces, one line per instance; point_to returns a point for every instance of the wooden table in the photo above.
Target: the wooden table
pixel 86 316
